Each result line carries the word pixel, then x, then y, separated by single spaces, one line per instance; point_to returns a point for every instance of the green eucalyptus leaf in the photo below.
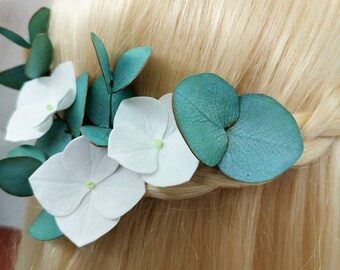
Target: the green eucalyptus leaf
pixel 14 77
pixel 44 227
pixel 96 135
pixel 204 106
pixel 39 23
pixel 27 151
pixel 75 114
pixel 129 65
pixel 14 37
pixel 55 140
pixel 103 61
pixel 40 57
pixel 98 103
pixel 14 174
pixel 263 143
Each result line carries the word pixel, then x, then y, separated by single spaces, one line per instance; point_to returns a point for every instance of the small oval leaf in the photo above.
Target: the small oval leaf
pixel 40 57
pixel 39 23
pixel 103 60
pixel 14 77
pixel 204 106
pixel 129 65
pixel 75 114
pixel 55 140
pixel 264 142
pixel 14 174
pixel 98 103
pixel 27 151
pixel 44 227
pixel 97 135
pixel 14 37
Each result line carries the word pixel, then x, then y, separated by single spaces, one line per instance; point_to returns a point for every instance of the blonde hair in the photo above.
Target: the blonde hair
pixel 286 49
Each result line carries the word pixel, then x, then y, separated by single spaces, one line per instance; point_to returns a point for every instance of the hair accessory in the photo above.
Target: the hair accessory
pixel 85 183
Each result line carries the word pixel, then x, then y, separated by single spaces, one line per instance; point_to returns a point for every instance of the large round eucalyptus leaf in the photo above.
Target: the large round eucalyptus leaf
pixel 204 106
pixel 98 103
pixel 264 142
pixel 27 151
pixel 129 65
pixel 14 174
pixel 40 57
pixel 44 227
pixel 55 140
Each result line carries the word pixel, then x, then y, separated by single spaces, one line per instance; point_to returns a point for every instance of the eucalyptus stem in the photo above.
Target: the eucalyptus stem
pixel 110 118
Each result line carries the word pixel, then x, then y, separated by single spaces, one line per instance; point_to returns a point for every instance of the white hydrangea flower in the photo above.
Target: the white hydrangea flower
pixel 85 190
pixel 145 139
pixel 38 100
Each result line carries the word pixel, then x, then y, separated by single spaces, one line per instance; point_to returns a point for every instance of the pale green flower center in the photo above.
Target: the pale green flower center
pixel 49 107
pixel 157 143
pixel 90 184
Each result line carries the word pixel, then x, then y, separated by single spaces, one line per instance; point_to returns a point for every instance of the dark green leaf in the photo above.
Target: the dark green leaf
pixel 129 65
pixel 204 106
pixel 98 103
pixel 27 151
pixel 14 77
pixel 39 23
pixel 264 142
pixel 75 114
pixel 55 140
pixel 44 227
pixel 15 38
pixel 103 61
pixel 40 57
pixel 14 174
pixel 96 135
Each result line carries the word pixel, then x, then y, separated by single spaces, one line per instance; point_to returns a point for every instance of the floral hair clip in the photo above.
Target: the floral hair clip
pixel 89 168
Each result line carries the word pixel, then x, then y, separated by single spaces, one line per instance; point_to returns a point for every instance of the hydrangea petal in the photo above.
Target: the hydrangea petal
pixel 117 194
pixel 28 123
pixel 166 100
pixel 87 161
pixel 58 191
pixel 62 85
pixel 34 92
pixel 85 224
pixel 143 113
pixel 132 149
pixel 176 163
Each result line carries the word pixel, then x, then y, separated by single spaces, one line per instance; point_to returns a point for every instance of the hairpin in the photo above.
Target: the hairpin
pixel 88 168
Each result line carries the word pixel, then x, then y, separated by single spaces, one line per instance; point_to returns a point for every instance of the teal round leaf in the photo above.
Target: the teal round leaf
pixel 98 103
pixel 40 57
pixel 55 140
pixel 75 114
pixel 27 151
pixel 264 142
pixel 97 135
pixel 39 23
pixel 129 65
pixel 14 77
pixel 44 227
pixel 103 60
pixel 14 174
pixel 204 106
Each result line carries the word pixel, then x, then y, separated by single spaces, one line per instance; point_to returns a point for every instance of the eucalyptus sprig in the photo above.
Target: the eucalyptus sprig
pixel 41 52
pixel 111 88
